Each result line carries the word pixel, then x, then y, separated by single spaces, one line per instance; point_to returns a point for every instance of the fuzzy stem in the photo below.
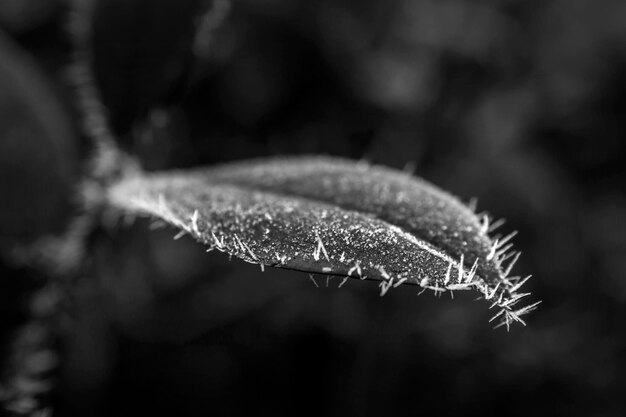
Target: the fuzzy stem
pixel 108 161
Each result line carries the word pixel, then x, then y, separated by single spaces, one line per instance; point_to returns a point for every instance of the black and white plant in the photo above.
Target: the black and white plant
pixel 315 214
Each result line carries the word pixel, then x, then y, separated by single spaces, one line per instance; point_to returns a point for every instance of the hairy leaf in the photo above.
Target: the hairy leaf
pixel 336 217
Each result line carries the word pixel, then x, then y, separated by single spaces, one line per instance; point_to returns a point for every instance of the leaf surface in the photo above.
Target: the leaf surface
pixel 336 217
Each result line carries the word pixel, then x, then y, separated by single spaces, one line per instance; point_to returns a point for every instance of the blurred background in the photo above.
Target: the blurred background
pixel 521 104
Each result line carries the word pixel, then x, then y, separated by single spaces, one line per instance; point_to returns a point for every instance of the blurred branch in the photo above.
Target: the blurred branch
pixel 209 22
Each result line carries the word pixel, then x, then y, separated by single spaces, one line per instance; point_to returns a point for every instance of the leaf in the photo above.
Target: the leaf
pixel 19 16
pixel 336 217
pixel 38 149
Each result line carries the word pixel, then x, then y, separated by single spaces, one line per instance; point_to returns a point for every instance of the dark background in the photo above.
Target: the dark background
pixel 521 104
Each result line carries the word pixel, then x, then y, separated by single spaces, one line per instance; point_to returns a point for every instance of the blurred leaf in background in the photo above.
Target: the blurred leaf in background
pixel 20 16
pixel 38 148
